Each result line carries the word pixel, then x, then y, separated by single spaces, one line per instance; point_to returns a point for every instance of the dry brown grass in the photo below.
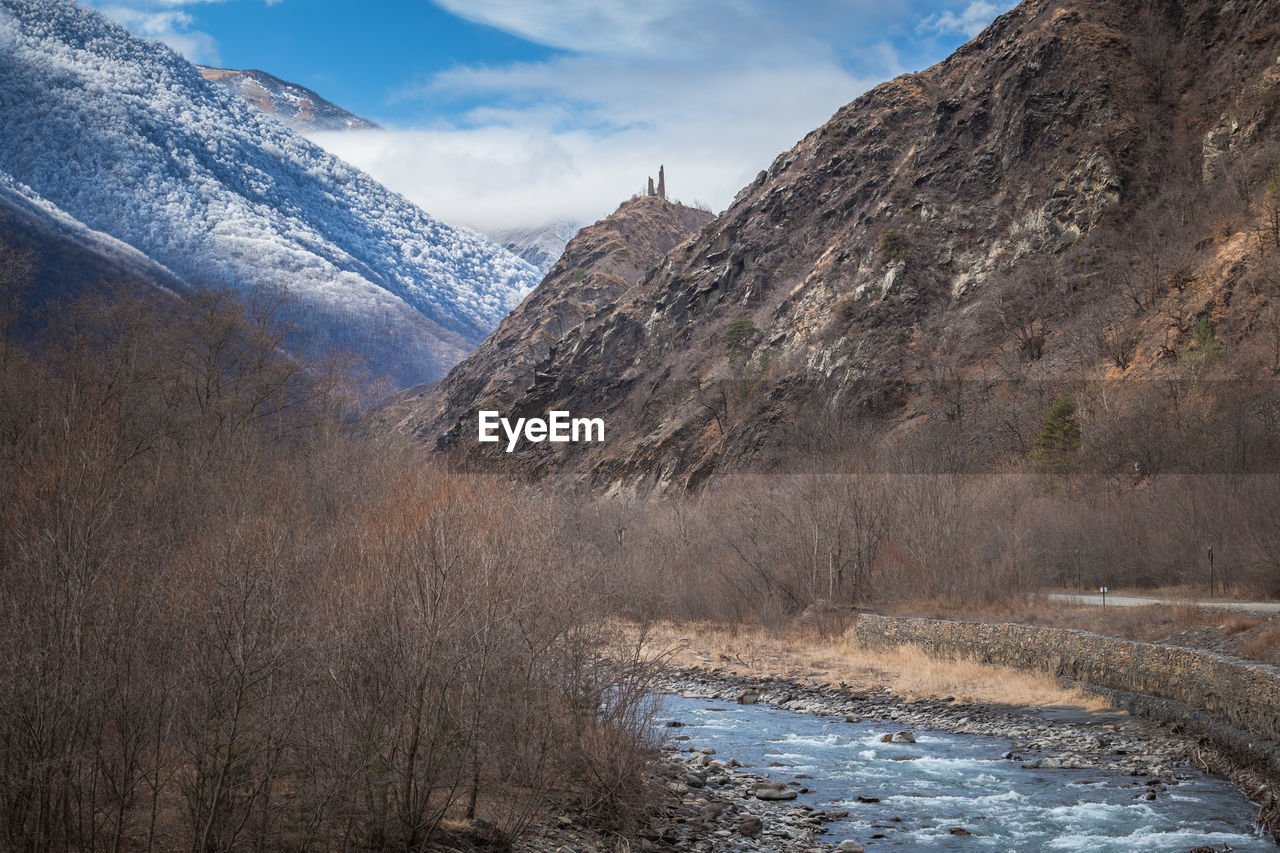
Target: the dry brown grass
pixel 1236 623
pixel 906 672
pixel 1263 646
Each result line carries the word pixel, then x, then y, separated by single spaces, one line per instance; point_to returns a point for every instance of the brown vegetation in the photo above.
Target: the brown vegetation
pixel 229 619
pixel 801 651
pixel 768 548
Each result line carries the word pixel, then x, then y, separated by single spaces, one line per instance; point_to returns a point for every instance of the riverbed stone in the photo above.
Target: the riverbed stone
pixel 774 791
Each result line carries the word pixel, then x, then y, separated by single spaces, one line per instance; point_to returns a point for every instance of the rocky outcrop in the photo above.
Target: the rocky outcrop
pixel 601 265
pixel 297 106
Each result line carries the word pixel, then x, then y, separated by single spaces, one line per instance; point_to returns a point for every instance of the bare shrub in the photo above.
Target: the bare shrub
pixel 232 619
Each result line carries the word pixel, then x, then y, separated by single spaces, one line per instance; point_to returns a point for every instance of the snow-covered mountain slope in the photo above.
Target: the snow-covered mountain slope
pixel 297 106
pixel 541 246
pixel 67 256
pixel 127 138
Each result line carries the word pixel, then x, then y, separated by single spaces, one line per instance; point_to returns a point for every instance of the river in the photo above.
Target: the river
pixel 945 782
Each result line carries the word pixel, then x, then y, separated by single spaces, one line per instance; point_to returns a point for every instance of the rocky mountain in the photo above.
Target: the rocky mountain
pixel 1075 202
pixel 297 106
pixel 540 246
pixel 118 136
pixel 599 266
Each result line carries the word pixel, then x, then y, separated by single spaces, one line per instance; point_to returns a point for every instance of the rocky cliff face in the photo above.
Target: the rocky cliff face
pixel 1064 198
pixel 600 266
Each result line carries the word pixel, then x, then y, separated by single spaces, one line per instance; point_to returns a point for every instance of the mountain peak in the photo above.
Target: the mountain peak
pixel 603 264
pixel 297 106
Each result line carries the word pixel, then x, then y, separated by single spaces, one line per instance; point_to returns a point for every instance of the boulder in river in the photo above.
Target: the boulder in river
pixel 899 737
pixel 774 791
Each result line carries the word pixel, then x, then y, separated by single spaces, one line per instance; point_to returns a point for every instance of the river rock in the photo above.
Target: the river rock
pixel 774 791
pixel 751 827
pixel 899 737
pixel 748 697
pixel 849 846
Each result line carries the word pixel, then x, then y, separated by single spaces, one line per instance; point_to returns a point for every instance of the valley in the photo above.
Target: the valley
pixel 328 525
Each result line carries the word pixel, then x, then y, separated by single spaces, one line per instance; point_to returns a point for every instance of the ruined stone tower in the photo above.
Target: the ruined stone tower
pixel 661 191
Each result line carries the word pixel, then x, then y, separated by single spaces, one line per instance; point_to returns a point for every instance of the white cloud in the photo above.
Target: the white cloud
pixel 707 30
pixel 604 26
pixel 972 20
pixel 713 90
pixel 532 160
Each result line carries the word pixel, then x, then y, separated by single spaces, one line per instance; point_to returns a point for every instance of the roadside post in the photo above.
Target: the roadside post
pixel 1103 590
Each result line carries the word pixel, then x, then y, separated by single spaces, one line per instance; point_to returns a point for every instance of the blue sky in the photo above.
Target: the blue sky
pixel 506 113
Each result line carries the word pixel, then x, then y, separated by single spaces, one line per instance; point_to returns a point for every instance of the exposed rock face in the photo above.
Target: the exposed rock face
pixel 872 256
pixel 296 106
pixel 599 266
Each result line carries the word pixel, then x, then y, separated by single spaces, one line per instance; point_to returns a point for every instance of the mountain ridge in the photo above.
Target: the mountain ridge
pixel 985 225
pixel 541 246
pixel 127 138
pixel 295 105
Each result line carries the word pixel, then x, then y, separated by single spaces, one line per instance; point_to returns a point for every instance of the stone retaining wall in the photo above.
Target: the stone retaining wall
pixel 1231 703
